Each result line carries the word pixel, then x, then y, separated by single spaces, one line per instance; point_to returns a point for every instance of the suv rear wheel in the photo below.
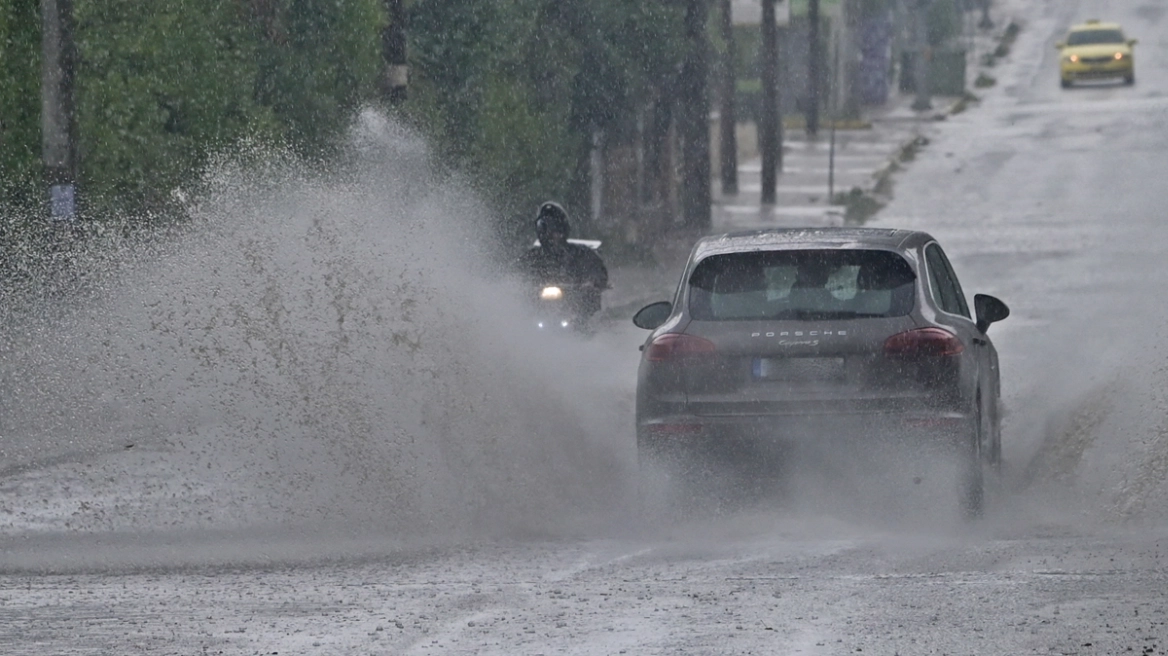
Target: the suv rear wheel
pixel 972 474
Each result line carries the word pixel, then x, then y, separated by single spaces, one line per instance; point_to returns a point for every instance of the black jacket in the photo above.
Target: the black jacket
pixel 571 265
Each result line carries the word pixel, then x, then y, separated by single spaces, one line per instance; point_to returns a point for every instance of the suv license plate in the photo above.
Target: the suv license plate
pixel 799 370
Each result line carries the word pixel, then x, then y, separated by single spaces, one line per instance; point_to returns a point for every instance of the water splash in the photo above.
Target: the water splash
pixel 315 347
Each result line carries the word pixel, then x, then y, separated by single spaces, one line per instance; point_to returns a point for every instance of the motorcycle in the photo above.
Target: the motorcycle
pixel 561 307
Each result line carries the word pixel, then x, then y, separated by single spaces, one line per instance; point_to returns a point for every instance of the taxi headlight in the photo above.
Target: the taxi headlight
pixel 1119 55
pixel 1072 58
pixel 551 294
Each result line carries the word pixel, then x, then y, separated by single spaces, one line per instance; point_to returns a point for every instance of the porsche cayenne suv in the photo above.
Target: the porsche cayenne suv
pixel 788 336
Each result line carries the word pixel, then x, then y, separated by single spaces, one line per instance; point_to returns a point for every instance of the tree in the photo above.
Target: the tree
pixel 516 91
pixel 770 129
pixel 151 106
pixel 163 85
pixel 512 92
pixel 20 103
pixel 693 118
pixel 318 60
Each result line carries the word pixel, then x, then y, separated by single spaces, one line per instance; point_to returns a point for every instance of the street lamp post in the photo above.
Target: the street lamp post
pixel 396 78
pixel 770 131
pixel 728 116
pixel 922 101
pixel 813 67
pixel 694 118
pixel 58 121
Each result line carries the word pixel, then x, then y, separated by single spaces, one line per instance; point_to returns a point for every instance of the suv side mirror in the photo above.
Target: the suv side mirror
pixel 653 315
pixel 1060 45
pixel 989 310
pixel 1132 42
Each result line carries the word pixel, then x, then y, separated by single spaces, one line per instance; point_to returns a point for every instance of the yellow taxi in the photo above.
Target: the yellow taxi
pixel 1095 50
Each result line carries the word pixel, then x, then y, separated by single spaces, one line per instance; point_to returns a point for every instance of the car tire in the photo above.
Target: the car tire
pixel 676 483
pixel 1129 80
pixel 971 489
pixel 1065 83
pixel 662 486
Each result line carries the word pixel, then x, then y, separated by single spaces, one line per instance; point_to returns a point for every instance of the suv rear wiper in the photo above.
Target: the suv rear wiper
pixel 824 315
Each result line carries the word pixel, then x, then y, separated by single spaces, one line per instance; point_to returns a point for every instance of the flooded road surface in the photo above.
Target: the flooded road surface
pixel 482 505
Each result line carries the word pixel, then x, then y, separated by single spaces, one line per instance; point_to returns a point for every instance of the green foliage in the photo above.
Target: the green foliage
pixel 317 61
pixel 514 90
pixel 160 85
pixel 20 102
pixel 163 84
pixel 522 155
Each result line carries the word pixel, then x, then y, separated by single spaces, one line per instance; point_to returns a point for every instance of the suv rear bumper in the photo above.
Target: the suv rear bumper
pixel 735 438
pixel 1115 69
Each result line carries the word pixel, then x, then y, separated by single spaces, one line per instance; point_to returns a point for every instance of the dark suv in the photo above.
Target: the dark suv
pixel 785 336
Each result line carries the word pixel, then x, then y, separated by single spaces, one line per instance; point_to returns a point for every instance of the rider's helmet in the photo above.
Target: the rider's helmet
pixel 551 224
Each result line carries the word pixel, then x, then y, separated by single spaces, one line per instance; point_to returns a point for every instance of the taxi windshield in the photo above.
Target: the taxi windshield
pixel 1092 37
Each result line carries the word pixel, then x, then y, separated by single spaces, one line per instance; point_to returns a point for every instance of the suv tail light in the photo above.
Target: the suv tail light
pixel 672 345
pixel 923 342
pixel 673 430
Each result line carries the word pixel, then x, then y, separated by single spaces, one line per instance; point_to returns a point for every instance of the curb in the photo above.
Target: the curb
pixel 866 204
pixel 869 202
pixel 861 204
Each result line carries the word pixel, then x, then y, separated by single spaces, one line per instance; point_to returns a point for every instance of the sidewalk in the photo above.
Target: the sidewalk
pixel 859 172
pixel 815 173
pixel 862 159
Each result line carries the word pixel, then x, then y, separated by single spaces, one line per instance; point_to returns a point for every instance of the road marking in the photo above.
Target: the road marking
pixel 794 210
pixel 1089 106
pixel 798 169
pixel 751 187
pixel 791 163
pixel 870 157
pixel 823 146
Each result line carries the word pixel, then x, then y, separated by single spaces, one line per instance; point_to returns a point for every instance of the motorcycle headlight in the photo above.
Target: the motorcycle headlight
pixel 551 294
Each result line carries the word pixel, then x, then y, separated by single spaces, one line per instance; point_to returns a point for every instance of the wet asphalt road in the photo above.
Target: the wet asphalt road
pixel 1050 199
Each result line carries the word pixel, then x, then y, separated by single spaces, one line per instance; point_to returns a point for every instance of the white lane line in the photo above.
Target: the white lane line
pixel 797 169
pixel 1088 106
pixel 823 157
pixel 805 210
pixel 840 185
pixel 794 165
pixel 825 147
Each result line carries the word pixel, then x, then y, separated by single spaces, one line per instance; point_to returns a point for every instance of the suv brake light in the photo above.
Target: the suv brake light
pixel 927 342
pixel 672 345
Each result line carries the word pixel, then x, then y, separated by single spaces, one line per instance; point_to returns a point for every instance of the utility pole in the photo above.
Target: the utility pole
pixel 694 119
pixel 813 67
pixel 728 149
pixel 770 134
pixel 58 120
pixel 922 101
pixel 396 77
pixel 847 96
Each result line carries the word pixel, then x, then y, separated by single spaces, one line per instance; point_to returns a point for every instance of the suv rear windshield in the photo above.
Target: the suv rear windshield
pixel 801 284
pixel 1092 37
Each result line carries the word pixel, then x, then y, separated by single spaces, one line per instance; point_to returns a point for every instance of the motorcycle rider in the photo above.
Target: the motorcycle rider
pixel 555 260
